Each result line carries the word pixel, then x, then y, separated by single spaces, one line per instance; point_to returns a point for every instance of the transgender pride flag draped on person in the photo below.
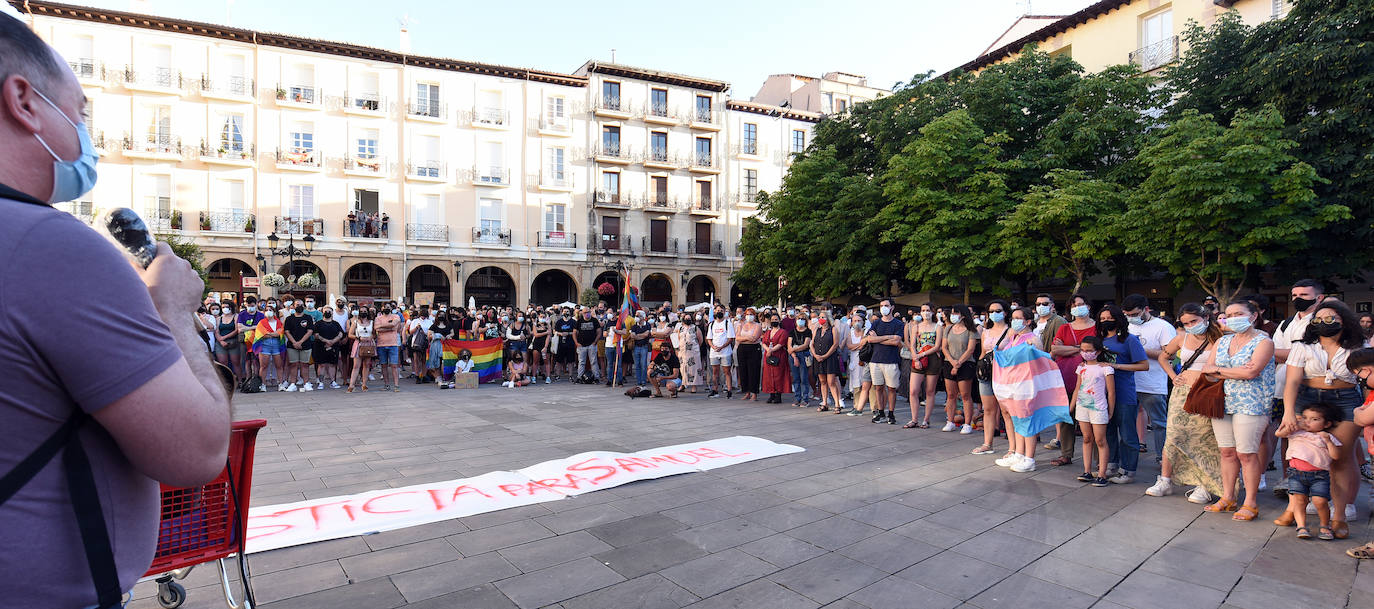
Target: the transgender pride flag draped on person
pixel 1030 388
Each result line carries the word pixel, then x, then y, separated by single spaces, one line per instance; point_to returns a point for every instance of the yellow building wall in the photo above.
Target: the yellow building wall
pixel 1109 39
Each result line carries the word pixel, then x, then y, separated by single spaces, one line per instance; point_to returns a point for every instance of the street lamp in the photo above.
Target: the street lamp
pixel 291 252
pixel 621 268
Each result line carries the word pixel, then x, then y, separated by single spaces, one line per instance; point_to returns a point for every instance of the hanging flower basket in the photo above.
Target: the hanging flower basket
pixel 273 280
pixel 309 281
pixel 605 289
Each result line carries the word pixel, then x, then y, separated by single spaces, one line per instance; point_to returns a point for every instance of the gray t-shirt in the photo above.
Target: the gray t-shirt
pixel 80 332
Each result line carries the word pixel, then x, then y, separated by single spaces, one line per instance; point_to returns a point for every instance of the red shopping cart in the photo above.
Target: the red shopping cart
pixel 206 523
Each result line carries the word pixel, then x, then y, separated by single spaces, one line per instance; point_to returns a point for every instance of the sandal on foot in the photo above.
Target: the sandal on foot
pixel 1245 513
pixel 912 425
pixel 1286 520
pixel 924 424
pixel 983 449
pixel 1303 533
pixel 1364 552
pixel 1221 505
pixel 1340 529
pixel 1324 534
pixel 1060 461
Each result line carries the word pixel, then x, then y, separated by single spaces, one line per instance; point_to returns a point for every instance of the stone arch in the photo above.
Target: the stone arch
pixel 365 282
pixel 552 287
pixel 428 278
pixel 226 277
pixel 699 288
pixel 489 285
pixel 655 289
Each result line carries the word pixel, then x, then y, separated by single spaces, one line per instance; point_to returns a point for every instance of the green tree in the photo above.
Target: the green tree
pixel 1062 229
pixel 1219 201
pixel 187 250
pixel 589 297
pixel 947 191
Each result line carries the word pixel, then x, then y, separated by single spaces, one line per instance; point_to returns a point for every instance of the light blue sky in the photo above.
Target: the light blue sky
pixel 739 41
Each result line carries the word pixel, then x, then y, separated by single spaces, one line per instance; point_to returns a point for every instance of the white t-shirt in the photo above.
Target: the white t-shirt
pixel 1285 338
pixel 418 322
pixel 1153 334
pixel 1316 365
pixel 722 332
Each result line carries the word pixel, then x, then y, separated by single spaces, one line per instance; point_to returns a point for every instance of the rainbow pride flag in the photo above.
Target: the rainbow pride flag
pixel 486 355
pixel 1030 388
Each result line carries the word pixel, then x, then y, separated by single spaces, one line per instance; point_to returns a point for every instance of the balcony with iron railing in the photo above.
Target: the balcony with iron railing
pixel 610 106
pixel 229 88
pixel 81 210
pixel 491 237
pixel 364 166
pixel 556 239
pixel 302 97
pixel 299 159
pixel 490 175
pixel 154 145
pixel 153 80
pixel 427 232
pixel 614 154
pixel 362 225
pixel 88 71
pixel 231 221
pixel 364 104
pixel 555 179
pixel 430 111
pixel 427 171
pixel 1155 56
pixel 490 118
pixel 706 120
pixel 668 247
pixel 705 248
pixel 298 226
pixel 659 202
pixel 229 153
pixel 659 114
pixel 660 158
pixel 555 125
pixel 611 243
pixel 704 163
pixel 159 215
pixel 706 206
pixel 746 198
pixel 610 200
pixel 748 149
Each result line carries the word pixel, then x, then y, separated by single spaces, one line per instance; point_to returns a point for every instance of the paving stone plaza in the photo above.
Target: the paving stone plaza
pixel 869 516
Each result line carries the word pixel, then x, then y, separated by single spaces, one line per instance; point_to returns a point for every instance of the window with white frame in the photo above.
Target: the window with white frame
pixel 303 88
pixel 555 217
pixel 751 184
pixel 427 209
pixel 557 167
pixel 302 137
pixel 160 130
pixel 227 213
pixel 489 218
pixel 301 201
pixel 798 141
pixel 427 99
pixel 231 134
pixel 231 195
pixel 162 75
pixel 493 163
pixel 366 144
pixel 556 108
pixel 236 76
pixel 162 193
pixel 750 143
pixel 427 156
pixel 490 108
pixel 82 56
pixel 367 96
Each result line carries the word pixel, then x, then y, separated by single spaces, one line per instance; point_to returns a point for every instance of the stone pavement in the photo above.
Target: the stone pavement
pixel 869 516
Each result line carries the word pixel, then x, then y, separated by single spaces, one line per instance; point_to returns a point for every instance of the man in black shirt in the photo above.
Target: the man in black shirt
pixel 299 330
pixel 640 333
pixel 587 334
pixel 328 335
pixel 565 353
pixel 667 372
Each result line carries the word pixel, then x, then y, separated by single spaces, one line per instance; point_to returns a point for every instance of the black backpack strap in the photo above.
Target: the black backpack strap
pixel 39 458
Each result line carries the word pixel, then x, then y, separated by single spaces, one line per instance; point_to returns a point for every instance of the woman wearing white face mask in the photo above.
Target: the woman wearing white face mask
pixel 1190 447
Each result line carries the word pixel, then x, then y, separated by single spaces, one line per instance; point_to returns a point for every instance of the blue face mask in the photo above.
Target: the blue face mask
pixel 71 179
pixel 1238 324
pixel 997 316
pixel 1197 328
pixel 1080 311
pixel 1017 325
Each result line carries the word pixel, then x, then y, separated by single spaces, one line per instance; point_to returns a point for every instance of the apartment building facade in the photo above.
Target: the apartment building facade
pixel 831 93
pixel 389 175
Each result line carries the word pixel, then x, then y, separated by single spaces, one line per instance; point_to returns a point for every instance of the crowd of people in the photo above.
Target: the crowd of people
pixel 1291 387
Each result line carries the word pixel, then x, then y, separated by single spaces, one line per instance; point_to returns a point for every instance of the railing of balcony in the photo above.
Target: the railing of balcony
pixel 155 141
pixel 491 236
pixel 230 85
pixel 425 169
pixel 614 151
pixel 427 232
pixel 1155 55
pixel 603 197
pixel 370 102
pixel 365 226
pixel 707 247
pixel 555 238
pixel 747 197
pixel 231 221
pixel 668 247
pixel 301 94
pixel 656 110
pixel 87 68
pixel 490 175
pixel 704 161
pixel 166 78
pixel 555 123
pixel 492 117
pixel 556 179
pixel 368 164
pixel 299 226
pixel 159 215
pixel 427 108
pixel 299 156
pixel 701 115
pixel 661 201
pixel 228 150
pixel 749 148
pixel 615 243
pixel 609 102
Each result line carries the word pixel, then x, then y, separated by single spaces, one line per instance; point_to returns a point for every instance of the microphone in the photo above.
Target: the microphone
pixel 129 230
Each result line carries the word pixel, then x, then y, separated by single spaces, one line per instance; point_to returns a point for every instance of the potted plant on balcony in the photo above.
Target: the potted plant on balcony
pixel 221 151
pixel 204 222
pixel 248 226
pixel 176 219
pixel 281 94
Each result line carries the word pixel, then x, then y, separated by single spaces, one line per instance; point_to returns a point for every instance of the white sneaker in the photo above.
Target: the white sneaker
pixel 263 387
pixel 949 426
pixel 1008 460
pixel 289 388
pixel 1026 465
pixel 841 406
pixel 966 430
pixel 547 380
pixel 1160 488
pixel 1263 484
pixel 370 377
pixel 1199 495
pixel 319 385
pixel 334 385
pixel 1349 512
pixel 307 387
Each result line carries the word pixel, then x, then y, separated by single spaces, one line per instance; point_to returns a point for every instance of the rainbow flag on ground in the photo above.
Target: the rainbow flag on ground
pixel 1030 388
pixel 486 357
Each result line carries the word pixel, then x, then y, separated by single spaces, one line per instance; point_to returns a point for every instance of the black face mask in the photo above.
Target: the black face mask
pixel 1107 326
pixel 720 316
pixel 1327 330
pixel 1364 382
pixel 1303 304
pixel 774 324
pixel 300 310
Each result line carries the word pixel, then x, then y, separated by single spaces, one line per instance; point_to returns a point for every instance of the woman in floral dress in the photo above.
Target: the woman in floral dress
pixel 689 354
pixel 1191 456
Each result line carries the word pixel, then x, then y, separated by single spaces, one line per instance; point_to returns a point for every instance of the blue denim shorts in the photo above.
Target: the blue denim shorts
pixel 388 355
pixel 1312 484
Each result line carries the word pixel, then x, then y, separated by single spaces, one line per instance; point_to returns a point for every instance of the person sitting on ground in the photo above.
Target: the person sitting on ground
pixel 666 371
pixel 515 374
pixel 465 363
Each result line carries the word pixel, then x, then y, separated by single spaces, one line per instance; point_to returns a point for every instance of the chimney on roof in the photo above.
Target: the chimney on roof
pixel 405 33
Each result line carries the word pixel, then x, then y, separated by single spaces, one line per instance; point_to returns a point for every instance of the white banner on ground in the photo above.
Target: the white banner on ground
pixel 291 524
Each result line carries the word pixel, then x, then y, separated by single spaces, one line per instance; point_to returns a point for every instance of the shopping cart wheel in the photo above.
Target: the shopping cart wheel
pixel 170 595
